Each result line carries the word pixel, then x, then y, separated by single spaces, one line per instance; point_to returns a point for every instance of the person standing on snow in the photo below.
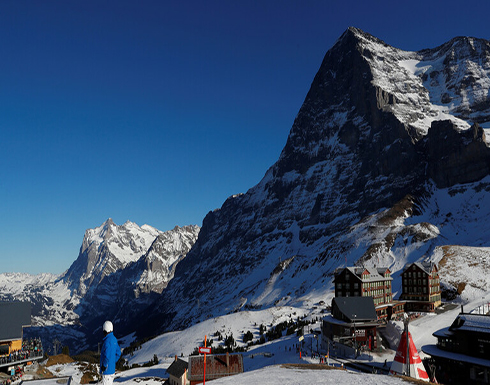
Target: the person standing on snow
pixel 109 355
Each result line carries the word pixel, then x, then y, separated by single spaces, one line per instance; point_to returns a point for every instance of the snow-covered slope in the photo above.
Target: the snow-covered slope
pixel 450 82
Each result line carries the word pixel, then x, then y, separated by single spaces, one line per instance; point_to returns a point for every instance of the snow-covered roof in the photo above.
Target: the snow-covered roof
pixel 478 323
pixel 472 322
pixel 434 351
pixel 375 274
pixel 424 266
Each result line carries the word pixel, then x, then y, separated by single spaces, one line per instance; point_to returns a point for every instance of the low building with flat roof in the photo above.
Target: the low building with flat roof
pixel 14 351
pixel 462 351
pixel 14 317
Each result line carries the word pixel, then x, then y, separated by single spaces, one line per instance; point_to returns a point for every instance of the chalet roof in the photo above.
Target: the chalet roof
pixel 375 274
pixel 472 322
pixel 178 368
pixel 360 309
pixel 424 266
pixel 434 351
pixel 14 316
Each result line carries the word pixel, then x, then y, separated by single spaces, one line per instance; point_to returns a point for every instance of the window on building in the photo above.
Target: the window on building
pixel 356 285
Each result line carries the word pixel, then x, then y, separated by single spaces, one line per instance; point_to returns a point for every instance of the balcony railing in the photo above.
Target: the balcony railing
pixel 20 357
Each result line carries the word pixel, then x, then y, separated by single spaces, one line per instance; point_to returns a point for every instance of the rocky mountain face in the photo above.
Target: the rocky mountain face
pixel 105 250
pixel 122 295
pixel 381 134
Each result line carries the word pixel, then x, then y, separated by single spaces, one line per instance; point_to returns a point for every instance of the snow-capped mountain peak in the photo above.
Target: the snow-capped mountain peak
pixel 450 82
pixel 107 249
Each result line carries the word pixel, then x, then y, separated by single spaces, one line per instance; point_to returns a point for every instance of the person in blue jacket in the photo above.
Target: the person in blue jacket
pixel 109 355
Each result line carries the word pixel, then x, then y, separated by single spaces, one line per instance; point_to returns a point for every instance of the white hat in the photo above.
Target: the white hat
pixel 107 327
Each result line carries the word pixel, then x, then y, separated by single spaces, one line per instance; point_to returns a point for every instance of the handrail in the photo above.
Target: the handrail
pixel 13 359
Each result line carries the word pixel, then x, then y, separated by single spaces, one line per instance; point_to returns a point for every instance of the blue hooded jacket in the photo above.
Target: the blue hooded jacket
pixel 110 354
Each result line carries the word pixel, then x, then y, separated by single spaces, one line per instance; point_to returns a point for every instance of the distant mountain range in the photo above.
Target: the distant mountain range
pixel 387 163
pixel 119 271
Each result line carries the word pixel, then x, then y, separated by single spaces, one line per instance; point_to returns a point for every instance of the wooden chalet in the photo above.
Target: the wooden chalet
pixel 217 366
pixel 421 288
pixel 177 372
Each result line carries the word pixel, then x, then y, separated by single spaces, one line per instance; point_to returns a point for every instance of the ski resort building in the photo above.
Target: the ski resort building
pixel 177 372
pixel 14 351
pixel 353 323
pixel 14 316
pixel 421 288
pixel 462 353
pixel 364 282
pixel 217 366
pixel 369 282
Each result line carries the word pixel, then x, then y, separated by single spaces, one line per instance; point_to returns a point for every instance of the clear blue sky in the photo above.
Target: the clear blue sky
pixel 157 111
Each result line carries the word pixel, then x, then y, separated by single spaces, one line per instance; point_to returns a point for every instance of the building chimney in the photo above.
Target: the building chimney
pixel 176 357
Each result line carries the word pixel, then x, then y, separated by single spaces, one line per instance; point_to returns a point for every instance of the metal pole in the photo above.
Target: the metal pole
pixel 204 374
pixel 355 337
pixel 408 347
pixel 328 352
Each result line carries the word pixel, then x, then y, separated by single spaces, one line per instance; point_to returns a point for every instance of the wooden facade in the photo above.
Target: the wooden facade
pixel 217 366
pixel 177 372
pixel 421 288
pixel 364 282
